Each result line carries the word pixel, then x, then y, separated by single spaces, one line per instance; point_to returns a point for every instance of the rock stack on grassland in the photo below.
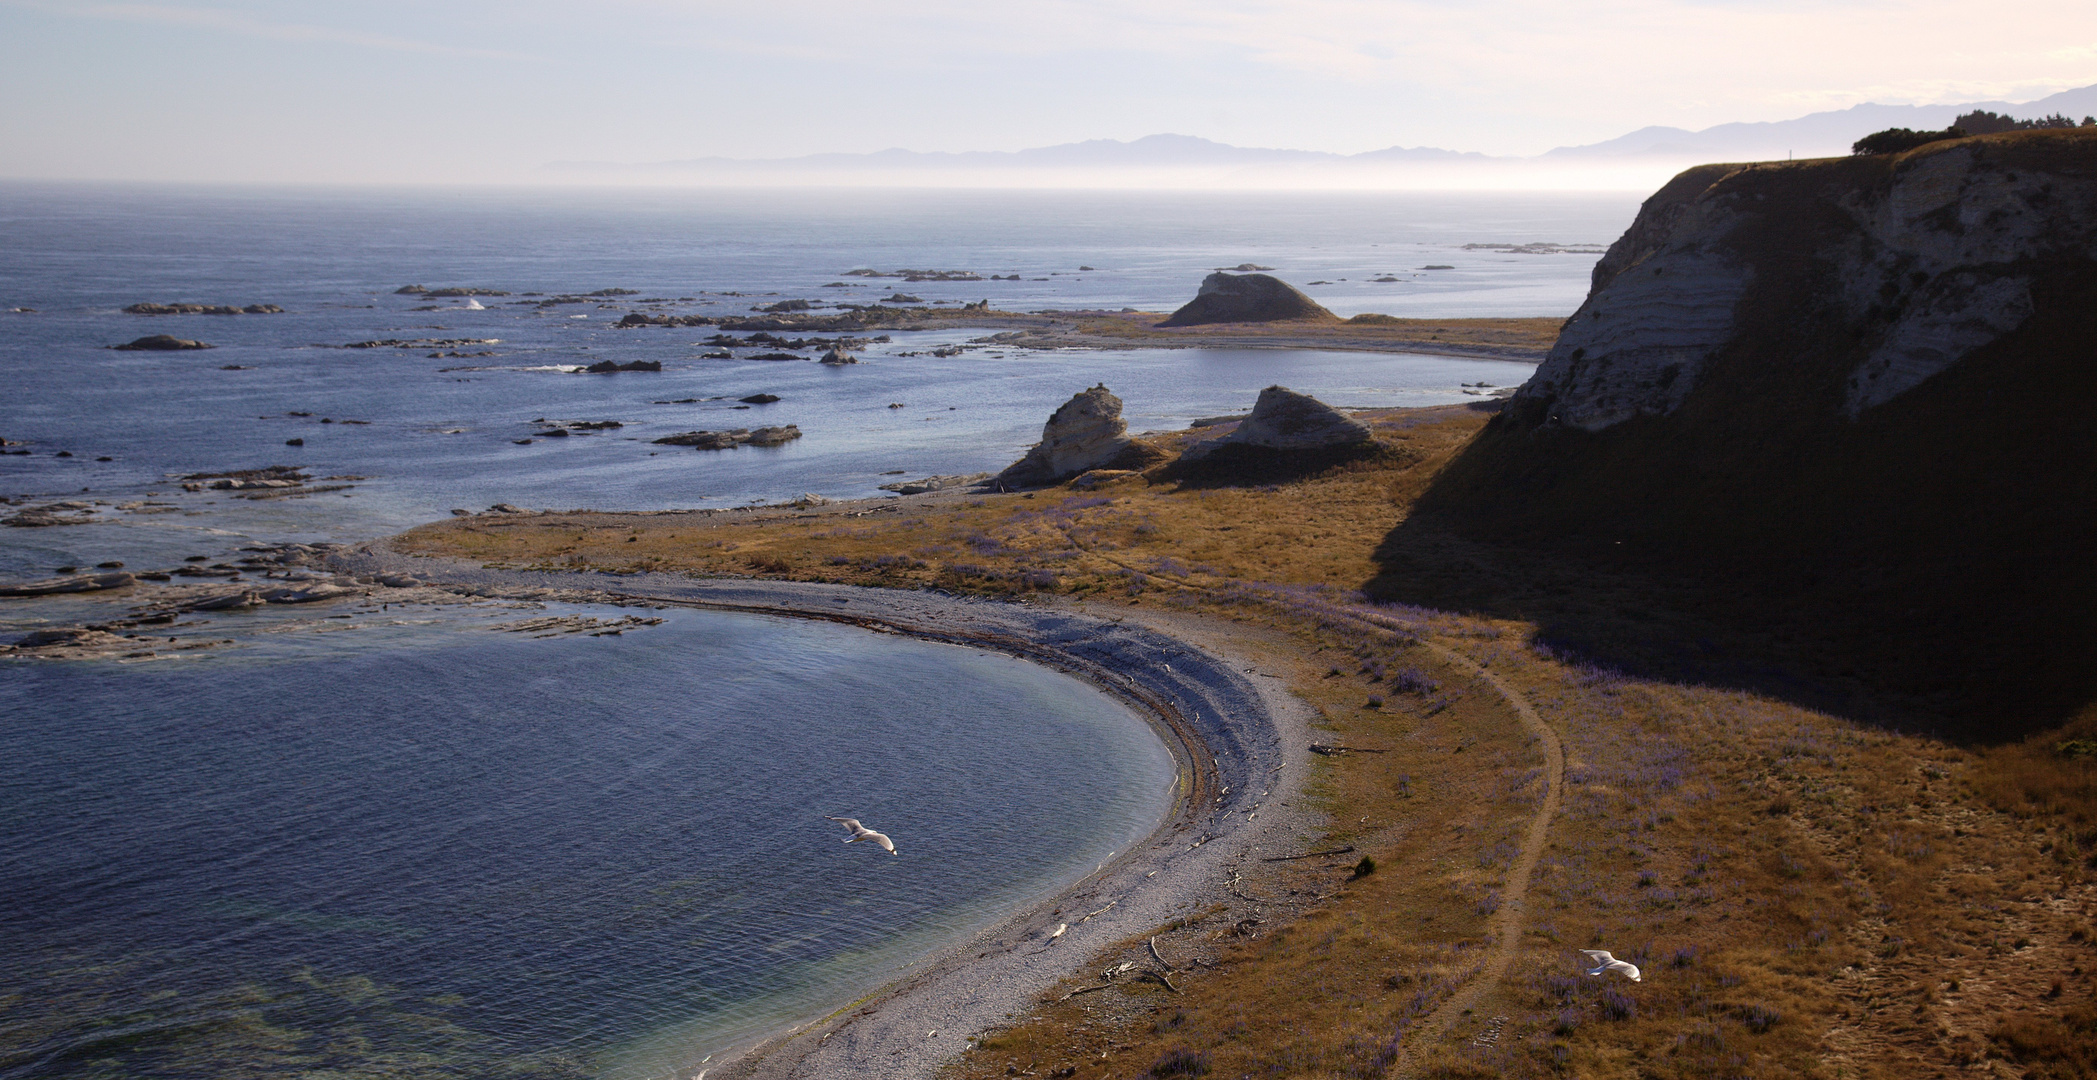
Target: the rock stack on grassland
pixel 1086 433
pixel 1285 420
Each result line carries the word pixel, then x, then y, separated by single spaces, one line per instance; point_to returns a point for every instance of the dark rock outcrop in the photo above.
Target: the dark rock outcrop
pixel 161 343
pixel 607 367
pixel 1225 298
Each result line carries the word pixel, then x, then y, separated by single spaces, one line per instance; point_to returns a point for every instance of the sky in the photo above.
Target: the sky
pixel 475 91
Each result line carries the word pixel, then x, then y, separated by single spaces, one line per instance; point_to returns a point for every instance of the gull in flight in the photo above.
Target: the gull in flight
pixel 1605 963
pixel 861 832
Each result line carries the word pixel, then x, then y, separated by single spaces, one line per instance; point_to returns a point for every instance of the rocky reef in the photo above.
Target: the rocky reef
pixel 729 440
pixel 1229 298
pixel 202 309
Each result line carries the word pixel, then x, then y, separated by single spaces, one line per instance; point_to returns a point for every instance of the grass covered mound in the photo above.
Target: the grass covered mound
pixel 1808 894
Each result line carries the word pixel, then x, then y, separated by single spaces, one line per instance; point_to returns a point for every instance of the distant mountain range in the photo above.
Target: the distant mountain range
pixel 1167 157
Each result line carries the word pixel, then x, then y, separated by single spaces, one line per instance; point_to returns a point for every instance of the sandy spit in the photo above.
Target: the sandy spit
pixel 1238 741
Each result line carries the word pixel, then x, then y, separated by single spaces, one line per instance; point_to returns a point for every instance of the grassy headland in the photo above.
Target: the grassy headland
pixel 1809 895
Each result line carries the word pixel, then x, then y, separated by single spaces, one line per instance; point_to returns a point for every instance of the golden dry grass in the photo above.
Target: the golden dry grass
pixel 1809 896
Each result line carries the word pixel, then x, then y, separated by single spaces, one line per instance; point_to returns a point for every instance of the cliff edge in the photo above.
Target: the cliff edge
pixel 1857 385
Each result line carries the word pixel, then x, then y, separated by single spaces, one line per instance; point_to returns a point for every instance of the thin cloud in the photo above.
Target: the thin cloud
pixel 250 26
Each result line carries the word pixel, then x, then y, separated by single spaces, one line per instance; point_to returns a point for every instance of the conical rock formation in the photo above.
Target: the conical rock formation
pixel 1246 298
pixel 1285 420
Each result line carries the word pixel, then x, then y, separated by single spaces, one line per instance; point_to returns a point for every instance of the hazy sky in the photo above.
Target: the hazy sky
pixel 471 90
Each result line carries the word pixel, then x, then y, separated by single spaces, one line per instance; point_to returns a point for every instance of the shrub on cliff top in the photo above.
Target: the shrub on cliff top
pixel 1901 140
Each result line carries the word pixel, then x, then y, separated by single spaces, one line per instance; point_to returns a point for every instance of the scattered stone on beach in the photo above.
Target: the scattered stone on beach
pixel 1086 433
pixel 838 355
pixel 1227 298
pixel 74 584
pixel 607 367
pixel 161 343
pixel 727 440
pixel 1283 419
pixel 202 309
pixel 933 483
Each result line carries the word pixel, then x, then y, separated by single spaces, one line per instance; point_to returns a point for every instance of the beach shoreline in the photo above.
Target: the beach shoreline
pixel 1233 736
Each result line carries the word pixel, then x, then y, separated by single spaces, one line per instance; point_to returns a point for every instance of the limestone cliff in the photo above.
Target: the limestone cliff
pixel 1857 384
pixel 1922 260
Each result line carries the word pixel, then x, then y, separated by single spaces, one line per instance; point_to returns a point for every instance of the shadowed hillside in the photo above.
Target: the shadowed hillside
pixel 1822 429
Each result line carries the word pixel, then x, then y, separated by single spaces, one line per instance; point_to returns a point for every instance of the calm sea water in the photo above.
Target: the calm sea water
pixel 445 851
pixel 425 848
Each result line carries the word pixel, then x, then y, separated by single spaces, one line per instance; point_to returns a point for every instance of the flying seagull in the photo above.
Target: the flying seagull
pixel 861 832
pixel 1605 962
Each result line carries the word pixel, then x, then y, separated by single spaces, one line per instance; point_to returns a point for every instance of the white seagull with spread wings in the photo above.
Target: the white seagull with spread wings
pixel 1606 963
pixel 861 832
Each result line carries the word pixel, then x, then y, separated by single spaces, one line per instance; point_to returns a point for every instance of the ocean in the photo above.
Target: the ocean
pixel 428 845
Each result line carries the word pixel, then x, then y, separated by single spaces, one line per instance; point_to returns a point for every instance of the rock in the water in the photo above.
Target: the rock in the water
pixel 759 399
pixel 1285 420
pixel 607 367
pixel 1246 298
pixel 161 343
pixel 229 602
pixel 725 440
pixel 81 583
pixel 837 355
pixel 202 309
pixel 1086 433
pixel 774 436
pixel 70 638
